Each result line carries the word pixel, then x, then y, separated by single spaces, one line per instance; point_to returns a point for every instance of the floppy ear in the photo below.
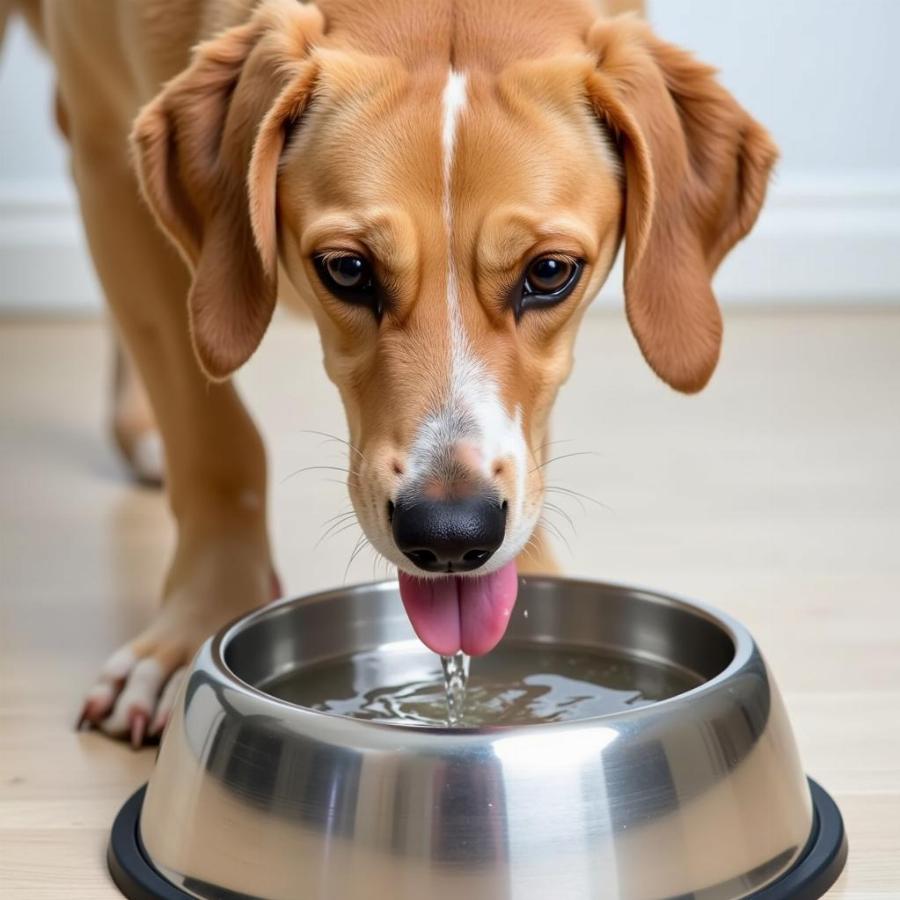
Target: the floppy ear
pixel 696 170
pixel 206 150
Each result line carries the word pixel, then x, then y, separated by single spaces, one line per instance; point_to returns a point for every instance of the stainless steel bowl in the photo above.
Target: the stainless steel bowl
pixel 701 795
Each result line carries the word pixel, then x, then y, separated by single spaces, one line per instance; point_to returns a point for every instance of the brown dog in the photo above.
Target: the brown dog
pixel 446 183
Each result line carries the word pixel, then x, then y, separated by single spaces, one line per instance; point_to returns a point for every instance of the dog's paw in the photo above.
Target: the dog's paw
pixel 135 692
pixel 143 454
pixel 147 458
pixel 137 688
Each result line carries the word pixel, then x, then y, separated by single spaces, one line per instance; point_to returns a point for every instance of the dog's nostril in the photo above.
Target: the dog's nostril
pixel 449 535
pixel 390 510
pixel 504 505
pixel 422 558
pixel 478 556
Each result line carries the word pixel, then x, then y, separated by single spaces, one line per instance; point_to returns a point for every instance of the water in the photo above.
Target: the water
pixel 513 685
pixel 456 679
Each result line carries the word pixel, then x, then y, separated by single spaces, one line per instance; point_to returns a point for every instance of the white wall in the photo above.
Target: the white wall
pixel 822 76
pixel 44 265
pixel 819 73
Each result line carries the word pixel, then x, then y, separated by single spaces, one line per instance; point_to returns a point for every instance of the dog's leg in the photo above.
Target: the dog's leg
pixel 133 424
pixel 215 463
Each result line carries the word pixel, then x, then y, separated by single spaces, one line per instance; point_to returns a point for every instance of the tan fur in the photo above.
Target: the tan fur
pixel 223 117
pixel 292 129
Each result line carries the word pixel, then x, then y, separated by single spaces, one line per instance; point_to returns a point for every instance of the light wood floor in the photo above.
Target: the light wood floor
pixel 775 495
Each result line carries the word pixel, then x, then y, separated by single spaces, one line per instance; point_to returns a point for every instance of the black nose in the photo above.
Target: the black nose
pixel 449 535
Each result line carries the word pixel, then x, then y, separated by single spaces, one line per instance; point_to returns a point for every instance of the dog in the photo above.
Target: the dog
pixel 446 184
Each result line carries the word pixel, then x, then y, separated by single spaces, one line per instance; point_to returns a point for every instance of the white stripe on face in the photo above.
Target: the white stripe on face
pixel 472 413
pixel 454 102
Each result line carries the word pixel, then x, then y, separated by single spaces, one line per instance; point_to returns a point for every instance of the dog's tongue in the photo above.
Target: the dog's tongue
pixel 455 613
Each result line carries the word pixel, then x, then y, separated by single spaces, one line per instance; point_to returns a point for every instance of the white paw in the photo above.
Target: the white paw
pixel 148 458
pixel 133 697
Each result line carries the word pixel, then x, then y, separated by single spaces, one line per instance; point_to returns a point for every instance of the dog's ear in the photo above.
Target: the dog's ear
pixel 206 150
pixel 696 170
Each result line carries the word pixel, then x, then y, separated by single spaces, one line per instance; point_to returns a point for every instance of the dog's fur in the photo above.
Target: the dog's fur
pixel 449 141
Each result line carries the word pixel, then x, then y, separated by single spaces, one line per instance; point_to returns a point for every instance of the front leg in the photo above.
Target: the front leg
pixel 215 461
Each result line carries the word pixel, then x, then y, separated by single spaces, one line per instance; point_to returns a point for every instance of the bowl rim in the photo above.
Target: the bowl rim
pixel 742 640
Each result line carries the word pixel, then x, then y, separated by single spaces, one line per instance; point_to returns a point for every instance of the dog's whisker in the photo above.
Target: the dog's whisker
pixel 562 456
pixel 379 559
pixel 564 493
pixel 529 550
pixel 552 507
pixel 578 500
pixel 546 444
pixel 577 495
pixel 335 530
pixel 360 545
pixel 334 437
pixel 535 451
pixel 346 511
pixel 356 547
pixel 551 526
pixel 557 441
pixel 337 481
pixel 315 469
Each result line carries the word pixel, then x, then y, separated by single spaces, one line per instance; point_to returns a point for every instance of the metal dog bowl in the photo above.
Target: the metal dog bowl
pixel 698 796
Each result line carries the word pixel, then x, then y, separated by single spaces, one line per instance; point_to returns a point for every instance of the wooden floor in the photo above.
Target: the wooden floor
pixel 775 495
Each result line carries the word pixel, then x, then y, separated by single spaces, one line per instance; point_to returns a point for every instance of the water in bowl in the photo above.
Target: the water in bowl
pixel 516 684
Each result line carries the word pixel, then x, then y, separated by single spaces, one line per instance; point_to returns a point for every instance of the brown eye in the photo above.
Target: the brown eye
pixel 548 280
pixel 548 274
pixel 345 271
pixel 350 278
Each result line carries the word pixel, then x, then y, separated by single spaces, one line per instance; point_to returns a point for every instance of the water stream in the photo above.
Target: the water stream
pixel 456 679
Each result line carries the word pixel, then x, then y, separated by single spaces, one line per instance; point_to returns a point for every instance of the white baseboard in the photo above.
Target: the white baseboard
pixel 45 267
pixel 833 238
pixel 823 239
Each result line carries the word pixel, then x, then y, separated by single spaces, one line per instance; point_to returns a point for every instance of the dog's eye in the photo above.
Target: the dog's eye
pixel 347 272
pixel 348 276
pixel 548 280
pixel 547 274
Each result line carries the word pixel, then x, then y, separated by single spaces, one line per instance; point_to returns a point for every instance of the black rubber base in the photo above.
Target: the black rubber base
pixel 131 870
pixel 810 877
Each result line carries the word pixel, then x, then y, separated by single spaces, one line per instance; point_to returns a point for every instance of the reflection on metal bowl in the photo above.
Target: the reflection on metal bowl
pixel 700 795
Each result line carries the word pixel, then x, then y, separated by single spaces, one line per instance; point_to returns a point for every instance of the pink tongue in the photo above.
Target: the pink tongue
pixel 456 613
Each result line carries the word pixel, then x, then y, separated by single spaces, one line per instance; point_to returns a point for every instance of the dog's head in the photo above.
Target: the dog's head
pixel 448 225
